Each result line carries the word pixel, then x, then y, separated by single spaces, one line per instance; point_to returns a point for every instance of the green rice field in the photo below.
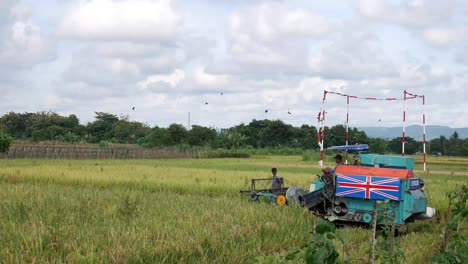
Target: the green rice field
pixel 179 211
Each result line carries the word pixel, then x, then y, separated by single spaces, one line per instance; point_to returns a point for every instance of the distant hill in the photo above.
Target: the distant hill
pixel 414 131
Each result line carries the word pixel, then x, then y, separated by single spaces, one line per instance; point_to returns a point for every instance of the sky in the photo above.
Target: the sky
pixel 227 61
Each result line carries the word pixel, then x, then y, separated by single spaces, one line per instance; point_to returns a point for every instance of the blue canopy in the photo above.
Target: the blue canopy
pixel 350 147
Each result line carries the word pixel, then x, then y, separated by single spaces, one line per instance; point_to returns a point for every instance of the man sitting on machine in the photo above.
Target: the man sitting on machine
pixel 277 181
pixel 338 160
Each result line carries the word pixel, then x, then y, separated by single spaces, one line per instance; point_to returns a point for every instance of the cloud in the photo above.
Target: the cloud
pixel 168 58
pixel 445 36
pixel 102 71
pixel 162 83
pixel 440 23
pixel 213 81
pixel 273 21
pixel 130 20
pixel 414 13
pixel 23 43
pixel 356 54
pixel 270 37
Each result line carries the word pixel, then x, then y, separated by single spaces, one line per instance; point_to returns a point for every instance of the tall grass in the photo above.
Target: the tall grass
pixel 170 211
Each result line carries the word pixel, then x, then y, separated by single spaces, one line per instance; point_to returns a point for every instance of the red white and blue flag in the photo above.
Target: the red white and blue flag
pixel 368 187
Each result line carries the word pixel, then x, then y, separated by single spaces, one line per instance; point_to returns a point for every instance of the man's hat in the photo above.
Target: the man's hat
pixel 338 156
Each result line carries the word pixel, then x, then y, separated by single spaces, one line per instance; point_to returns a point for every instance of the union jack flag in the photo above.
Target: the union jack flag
pixel 368 187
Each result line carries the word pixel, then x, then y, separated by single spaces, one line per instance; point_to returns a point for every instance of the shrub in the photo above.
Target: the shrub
pixel 5 142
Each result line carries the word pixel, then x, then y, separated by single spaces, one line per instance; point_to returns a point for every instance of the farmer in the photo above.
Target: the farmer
pixel 276 180
pixel 356 160
pixel 338 161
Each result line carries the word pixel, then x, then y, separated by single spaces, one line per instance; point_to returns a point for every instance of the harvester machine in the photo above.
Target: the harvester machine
pixel 347 194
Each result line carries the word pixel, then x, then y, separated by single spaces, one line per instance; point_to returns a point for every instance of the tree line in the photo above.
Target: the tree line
pixel 110 128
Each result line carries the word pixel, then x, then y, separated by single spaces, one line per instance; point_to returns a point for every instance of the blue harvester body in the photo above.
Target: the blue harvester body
pixel 348 194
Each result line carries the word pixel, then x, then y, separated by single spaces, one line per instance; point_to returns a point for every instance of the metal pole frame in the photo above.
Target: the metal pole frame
pixel 403 141
pixel 321 132
pixel 347 126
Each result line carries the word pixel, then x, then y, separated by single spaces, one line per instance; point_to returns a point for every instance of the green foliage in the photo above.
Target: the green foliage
pixel 102 127
pixel 233 139
pixel 377 145
pixel 200 136
pixel 269 137
pixel 309 155
pixel 388 248
pixel 71 137
pixel 129 132
pixel 320 249
pixel 157 137
pixel 455 233
pixel 177 134
pixel 224 153
pixel 5 142
pixel 411 145
pixel 104 144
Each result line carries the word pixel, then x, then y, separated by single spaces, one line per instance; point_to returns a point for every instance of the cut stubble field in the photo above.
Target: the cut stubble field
pixel 178 211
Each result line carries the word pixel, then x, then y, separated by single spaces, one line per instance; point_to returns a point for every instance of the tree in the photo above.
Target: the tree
pixel 15 124
pixel 377 145
pixel 307 137
pixel 232 139
pixel 411 145
pixel 5 142
pixel 454 145
pixel 177 134
pixel 157 137
pixel 267 133
pixel 129 132
pixel 102 127
pixel 357 137
pixel 199 135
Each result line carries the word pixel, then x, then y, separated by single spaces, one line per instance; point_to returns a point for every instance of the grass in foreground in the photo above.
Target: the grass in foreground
pixel 167 211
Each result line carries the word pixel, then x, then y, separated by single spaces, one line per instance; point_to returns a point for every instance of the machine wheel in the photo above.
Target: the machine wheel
pixel 281 199
pixel 367 218
pixel 357 217
pixel 253 196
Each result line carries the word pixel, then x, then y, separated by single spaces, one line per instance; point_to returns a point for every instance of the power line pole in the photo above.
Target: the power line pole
pixel 188 125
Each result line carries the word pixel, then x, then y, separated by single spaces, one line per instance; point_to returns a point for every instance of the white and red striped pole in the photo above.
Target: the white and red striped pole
pixel 347 126
pixel 404 125
pixel 424 132
pixel 321 131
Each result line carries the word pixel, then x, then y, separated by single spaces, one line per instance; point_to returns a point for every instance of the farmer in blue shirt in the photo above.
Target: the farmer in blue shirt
pixel 276 180
pixel 338 161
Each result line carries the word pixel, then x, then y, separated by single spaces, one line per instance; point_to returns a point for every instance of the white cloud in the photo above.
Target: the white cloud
pixel 445 36
pixel 161 83
pixel 413 13
pixel 135 20
pixel 274 34
pixel 168 58
pixel 271 21
pixel 102 71
pixel 356 54
pixel 213 81
pixel 24 45
pixel 311 89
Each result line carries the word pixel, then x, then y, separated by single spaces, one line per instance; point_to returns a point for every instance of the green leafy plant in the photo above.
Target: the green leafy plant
pixel 5 142
pixel 388 250
pixel 320 249
pixel 455 233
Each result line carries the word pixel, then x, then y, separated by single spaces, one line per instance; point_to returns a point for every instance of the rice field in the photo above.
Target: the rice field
pixel 178 211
